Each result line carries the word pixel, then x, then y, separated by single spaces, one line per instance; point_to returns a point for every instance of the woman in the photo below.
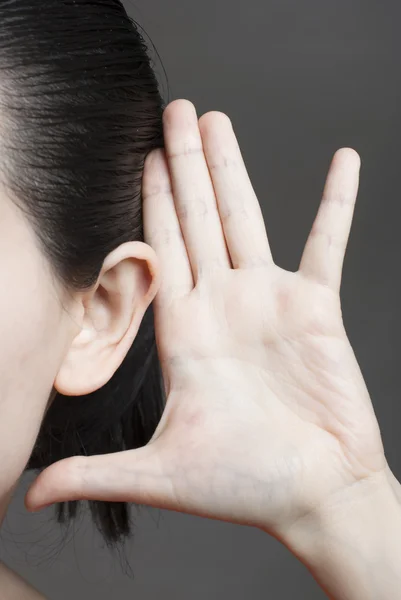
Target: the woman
pixel 80 110
pixel 268 421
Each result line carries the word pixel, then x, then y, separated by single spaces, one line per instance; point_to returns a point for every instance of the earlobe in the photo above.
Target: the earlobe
pixel 111 314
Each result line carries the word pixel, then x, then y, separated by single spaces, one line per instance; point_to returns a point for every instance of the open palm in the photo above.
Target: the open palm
pixel 267 414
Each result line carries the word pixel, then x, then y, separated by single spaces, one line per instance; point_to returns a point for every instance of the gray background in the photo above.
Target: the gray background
pixel 299 79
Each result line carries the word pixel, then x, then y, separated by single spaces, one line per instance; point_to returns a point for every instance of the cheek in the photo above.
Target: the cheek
pixel 28 328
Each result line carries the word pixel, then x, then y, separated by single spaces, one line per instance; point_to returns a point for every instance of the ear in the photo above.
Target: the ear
pixel 108 318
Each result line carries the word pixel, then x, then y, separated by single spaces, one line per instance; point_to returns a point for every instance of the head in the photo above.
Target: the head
pixel 79 112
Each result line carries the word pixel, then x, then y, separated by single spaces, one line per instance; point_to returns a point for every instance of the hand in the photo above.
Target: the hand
pixel 267 411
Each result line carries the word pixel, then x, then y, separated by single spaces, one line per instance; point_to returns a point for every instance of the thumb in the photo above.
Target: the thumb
pixel 129 476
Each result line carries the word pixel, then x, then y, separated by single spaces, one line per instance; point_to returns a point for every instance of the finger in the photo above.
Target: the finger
pixel 162 230
pixel 193 191
pixel 129 476
pixel 324 252
pixel 239 209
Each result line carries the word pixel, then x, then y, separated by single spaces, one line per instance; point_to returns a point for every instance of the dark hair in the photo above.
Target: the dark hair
pixel 80 110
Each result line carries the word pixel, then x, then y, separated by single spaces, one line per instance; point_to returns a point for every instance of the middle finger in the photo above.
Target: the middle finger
pixel 193 190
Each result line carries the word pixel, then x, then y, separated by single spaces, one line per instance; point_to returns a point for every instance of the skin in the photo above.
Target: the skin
pixel 45 347
pixel 268 419
pixel 268 416
pixel 14 587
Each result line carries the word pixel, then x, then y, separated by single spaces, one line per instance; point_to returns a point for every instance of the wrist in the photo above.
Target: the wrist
pixel 352 545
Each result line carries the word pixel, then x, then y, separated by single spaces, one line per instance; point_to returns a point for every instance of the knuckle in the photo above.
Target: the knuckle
pixel 76 468
pixel 184 149
pixel 82 472
pixel 157 189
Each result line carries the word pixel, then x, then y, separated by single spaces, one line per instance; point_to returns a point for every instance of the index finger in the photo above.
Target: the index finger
pixel 162 229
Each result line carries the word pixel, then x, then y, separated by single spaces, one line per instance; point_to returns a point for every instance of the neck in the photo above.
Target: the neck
pixel 5 499
pixel 14 587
